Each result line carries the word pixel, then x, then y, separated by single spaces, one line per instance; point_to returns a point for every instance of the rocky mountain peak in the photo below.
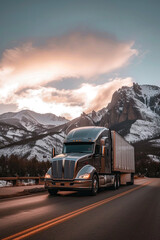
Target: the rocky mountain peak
pixel 136 88
pixel 132 103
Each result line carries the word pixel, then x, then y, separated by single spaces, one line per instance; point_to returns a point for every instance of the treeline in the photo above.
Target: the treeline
pixel 147 167
pixel 144 164
pixel 17 166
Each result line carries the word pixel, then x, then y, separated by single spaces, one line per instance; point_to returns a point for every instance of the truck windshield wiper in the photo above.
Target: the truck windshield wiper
pixel 84 152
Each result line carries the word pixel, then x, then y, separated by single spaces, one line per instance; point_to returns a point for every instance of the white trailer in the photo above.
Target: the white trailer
pixel 122 158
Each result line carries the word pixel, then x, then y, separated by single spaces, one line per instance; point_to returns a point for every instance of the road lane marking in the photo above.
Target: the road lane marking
pixel 33 230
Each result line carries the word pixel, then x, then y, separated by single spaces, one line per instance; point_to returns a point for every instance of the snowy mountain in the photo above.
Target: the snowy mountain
pixel 134 112
pixel 20 133
pixel 40 148
pixel 31 121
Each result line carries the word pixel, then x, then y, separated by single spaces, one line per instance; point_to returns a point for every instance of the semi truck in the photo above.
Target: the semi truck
pixel 92 158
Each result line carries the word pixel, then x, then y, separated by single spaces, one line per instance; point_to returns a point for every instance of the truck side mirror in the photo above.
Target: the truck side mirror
pixel 53 152
pixel 104 141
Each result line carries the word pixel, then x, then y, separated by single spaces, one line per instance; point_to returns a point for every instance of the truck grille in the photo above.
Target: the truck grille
pixel 69 169
pixel 57 169
pixel 63 172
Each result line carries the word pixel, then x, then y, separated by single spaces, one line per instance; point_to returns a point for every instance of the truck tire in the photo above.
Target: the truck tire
pixel 114 187
pixel 132 178
pixel 95 185
pixel 52 192
pixel 117 181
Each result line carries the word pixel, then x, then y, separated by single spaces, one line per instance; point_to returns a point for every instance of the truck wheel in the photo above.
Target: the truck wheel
pixel 95 185
pixel 132 178
pixel 52 191
pixel 117 181
pixel 114 187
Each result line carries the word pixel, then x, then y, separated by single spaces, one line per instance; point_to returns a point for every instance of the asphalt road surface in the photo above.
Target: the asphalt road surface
pixel 129 213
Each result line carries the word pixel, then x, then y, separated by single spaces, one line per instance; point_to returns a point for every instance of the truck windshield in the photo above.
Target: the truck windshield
pixel 78 147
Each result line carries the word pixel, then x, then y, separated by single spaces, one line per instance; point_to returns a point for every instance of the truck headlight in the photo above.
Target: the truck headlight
pixel 85 176
pixel 48 174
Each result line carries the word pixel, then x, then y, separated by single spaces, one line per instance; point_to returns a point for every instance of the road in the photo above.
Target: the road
pixel 129 213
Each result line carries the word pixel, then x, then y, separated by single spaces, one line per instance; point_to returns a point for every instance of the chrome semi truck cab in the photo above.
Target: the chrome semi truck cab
pixel 90 159
pixel 84 162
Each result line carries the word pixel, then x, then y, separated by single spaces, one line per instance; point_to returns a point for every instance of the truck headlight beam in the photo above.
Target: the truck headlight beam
pixel 47 175
pixel 84 176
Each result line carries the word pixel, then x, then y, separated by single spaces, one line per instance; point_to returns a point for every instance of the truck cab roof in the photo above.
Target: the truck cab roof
pixel 84 134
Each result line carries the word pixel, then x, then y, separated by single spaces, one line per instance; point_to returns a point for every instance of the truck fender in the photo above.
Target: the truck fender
pixel 87 169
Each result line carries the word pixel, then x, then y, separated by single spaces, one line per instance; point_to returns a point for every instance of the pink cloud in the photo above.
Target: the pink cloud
pixel 105 92
pixel 73 55
pixel 85 55
pixel 70 103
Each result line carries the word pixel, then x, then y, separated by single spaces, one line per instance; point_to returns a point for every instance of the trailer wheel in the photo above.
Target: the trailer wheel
pixel 132 178
pixel 117 181
pixel 52 191
pixel 95 185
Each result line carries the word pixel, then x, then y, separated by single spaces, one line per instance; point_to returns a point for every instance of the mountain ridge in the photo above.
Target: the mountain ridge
pixel 134 112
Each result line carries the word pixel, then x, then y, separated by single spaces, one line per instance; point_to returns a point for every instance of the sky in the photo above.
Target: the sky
pixel 69 56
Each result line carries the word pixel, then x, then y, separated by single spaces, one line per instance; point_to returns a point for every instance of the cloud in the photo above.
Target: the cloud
pixel 70 103
pixel 45 100
pixel 77 54
pixel 27 73
pixel 105 91
pixel 7 108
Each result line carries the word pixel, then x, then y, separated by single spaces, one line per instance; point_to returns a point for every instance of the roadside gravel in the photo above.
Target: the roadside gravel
pixel 7 192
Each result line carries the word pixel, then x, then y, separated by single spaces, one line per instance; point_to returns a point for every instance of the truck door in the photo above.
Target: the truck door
pixel 97 158
pixel 106 159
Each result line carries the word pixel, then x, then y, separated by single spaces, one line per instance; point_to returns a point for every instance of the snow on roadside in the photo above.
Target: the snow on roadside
pixel 5 184
pixel 28 182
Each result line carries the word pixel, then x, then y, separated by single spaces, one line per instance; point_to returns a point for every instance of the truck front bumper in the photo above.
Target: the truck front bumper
pixel 75 184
